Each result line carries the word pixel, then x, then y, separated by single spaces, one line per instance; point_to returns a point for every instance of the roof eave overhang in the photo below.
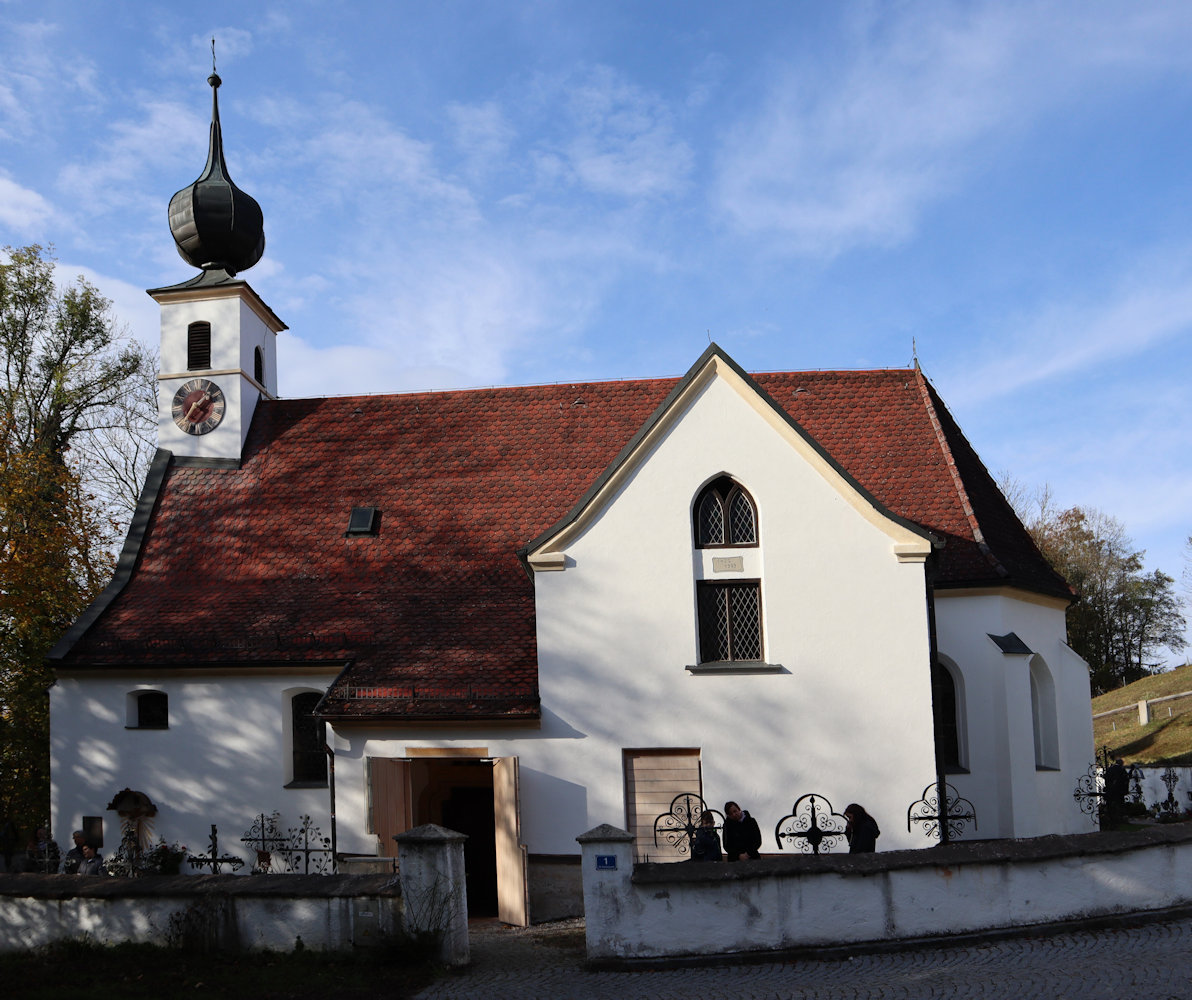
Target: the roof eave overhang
pixel 127 562
pixel 204 287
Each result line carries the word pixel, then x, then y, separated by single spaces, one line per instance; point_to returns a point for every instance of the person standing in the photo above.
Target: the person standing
pixel 92 863
pixel 742 838
pixel 860 830
pixel 1117 785
pixel 705 845
pixel 74 857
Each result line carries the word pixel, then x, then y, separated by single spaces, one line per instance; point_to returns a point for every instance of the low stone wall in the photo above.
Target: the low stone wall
pixel 654 911
pixel 427 899
pixel 225 912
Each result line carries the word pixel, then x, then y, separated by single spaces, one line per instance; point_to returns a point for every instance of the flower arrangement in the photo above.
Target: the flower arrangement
pixel 164 858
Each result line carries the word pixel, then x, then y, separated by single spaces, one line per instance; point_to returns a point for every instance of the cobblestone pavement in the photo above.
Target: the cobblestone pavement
pixel 1152 961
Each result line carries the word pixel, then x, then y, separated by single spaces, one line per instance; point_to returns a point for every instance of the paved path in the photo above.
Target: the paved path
pixel 1151 961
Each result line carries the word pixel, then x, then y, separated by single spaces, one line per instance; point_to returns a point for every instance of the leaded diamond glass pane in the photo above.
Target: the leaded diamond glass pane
pixel 711 520
pixel 741 530
pixel 713 624
pixel 729 622
pixel 746 625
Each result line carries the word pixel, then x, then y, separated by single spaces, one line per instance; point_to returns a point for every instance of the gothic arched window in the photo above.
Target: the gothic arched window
pixel 724 515
pixel 729 610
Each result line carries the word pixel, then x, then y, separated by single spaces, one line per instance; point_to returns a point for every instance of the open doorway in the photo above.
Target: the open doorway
pixel 458 795
pixel 471 794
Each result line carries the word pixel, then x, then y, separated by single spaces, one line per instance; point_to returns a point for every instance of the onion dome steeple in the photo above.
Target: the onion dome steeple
pixel 215 224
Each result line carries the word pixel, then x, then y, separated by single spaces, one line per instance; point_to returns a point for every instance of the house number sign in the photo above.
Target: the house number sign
pixel 606 862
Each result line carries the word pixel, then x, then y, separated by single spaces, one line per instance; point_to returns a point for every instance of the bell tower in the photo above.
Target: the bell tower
pixel 218 337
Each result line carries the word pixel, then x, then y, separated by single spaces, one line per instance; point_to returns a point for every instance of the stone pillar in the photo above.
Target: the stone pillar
pixel 1144 712
pixel 433 891
pixel 607 871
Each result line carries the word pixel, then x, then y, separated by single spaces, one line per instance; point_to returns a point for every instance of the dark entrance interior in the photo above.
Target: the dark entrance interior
pixel 458 794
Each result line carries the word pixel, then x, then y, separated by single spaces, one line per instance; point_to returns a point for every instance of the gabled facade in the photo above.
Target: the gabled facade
pixel 524 612
pixel 537 626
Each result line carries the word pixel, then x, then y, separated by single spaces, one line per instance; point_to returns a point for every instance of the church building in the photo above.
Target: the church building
pixel 523 612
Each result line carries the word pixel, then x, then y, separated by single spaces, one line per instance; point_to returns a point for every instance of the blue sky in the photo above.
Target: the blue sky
pixel 473 193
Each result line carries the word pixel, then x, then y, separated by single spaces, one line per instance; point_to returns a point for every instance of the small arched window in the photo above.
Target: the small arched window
pixel 148 710
pixel 309 735
pixel 1043 716
pixel 258 365
pixel 724 515
pixel 947 704
pixel 198 346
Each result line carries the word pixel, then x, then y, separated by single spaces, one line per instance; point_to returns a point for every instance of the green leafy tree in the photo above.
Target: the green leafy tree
pixel 1124 616
pixel 68 376
pixel 53 560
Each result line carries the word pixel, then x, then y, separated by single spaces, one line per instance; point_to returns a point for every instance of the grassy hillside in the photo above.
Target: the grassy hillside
pixel 1166 739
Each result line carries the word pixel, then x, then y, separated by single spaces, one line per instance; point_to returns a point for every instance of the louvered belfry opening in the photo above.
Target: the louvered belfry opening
pixel 198 346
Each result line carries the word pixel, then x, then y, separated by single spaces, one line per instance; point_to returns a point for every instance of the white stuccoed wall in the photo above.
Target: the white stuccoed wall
pixel 223 760
pixel 1012 798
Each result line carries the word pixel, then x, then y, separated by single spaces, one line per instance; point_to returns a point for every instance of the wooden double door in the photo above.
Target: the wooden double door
pixel 465 791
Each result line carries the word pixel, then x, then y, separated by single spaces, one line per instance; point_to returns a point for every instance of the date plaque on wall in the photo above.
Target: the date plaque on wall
pixel 728 564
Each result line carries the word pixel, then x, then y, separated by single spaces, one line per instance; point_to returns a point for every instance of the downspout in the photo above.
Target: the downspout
pixel 331 790
pixel 941 781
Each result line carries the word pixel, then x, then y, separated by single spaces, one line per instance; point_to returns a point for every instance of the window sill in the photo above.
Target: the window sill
pixel 737 667
pixel 305 784
pixel 146 727
pixel 1047 767
pixel 956 769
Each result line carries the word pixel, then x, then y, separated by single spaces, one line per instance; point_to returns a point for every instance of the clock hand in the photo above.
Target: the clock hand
pixel 198 403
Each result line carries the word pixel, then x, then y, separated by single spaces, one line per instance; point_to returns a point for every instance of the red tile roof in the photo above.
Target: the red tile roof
pixel 434 615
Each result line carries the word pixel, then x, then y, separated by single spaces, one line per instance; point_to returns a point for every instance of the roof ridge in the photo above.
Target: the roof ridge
pixel 966 503
pixel 580 383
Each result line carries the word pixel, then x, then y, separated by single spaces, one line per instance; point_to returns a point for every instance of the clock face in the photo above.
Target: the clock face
pixel 199 406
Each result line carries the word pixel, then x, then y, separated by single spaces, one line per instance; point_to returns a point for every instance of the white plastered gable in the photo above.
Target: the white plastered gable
pixel 712 381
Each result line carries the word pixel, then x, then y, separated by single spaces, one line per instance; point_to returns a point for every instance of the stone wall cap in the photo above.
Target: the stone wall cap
pixel 38 886
pixel 605 831
pixel 1024 851
pixel 430 833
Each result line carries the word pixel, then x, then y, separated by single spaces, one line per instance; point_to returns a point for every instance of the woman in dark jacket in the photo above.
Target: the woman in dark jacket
pixel 861 830
pixel 742 838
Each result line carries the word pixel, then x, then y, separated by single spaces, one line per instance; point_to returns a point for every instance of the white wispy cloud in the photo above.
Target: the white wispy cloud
pixel 23 210
pixel 614 138
pixel 481 133
pixel 850 148
pixel 163 133
pixel 1139 311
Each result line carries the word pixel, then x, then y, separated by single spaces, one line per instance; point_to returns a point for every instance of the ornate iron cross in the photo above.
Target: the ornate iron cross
pixel 264 837
pixel 942 816
pixel 1089 792
pixel 811 828
pixel 677 827
pixel 212 860
pixel 305 846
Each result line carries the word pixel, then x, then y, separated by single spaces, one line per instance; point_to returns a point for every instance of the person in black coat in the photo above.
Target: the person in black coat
pixel 742 838
pixel 861 830
pixel 705 845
